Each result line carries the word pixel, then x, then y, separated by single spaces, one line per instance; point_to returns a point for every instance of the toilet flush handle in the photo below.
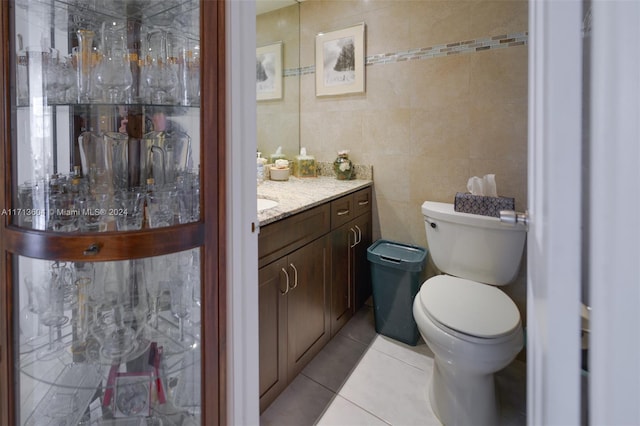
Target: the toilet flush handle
pixel 430 222
pixel 513 217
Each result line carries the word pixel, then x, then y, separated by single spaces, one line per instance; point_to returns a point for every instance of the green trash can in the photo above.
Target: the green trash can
pixel 397 272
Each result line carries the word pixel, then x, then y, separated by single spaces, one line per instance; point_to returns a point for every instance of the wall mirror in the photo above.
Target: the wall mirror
pixel 278 119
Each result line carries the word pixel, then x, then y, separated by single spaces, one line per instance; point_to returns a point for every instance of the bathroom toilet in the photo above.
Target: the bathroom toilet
pixel 472 327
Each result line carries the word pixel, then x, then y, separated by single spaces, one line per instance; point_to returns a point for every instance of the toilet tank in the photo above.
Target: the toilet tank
pixel 475 247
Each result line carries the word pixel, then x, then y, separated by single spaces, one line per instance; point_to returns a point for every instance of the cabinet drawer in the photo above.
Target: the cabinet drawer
pixel 282 237
pixel 341 211
pixel 362 201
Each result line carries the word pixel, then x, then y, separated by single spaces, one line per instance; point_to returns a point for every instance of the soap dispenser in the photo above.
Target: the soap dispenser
pixel 260 162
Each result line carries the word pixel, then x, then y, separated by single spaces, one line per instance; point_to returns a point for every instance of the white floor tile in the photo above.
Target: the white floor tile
pixel 391 389
pixel 344 413
pixel 420 356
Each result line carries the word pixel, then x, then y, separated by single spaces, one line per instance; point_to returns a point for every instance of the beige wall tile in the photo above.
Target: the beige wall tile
pixel 499 74
pixel 441 132
pixel 435 22
pixel 495 17
pixel 439 81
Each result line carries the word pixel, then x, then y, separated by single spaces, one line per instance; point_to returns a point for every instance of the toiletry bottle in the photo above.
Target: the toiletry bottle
pixel 260 162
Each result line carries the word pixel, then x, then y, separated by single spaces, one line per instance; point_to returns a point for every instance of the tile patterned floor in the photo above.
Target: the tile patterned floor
pixel 361 378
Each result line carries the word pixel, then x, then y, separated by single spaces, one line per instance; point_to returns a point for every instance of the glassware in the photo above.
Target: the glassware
pixel 185 55
pixel 64 215
pixel 120 310
pixel 59 76
pixel 157 272
pixel 94 158
pixel 84 64
pixel 129 211
pixel 49 292
pixel 91 214
pixel 117 146
pixel 342 166
pixel 161 207
pixel 188 193
pixel 168 155
pixel 159 76
pixel 29 322
pixel 182 298
pixel 113 74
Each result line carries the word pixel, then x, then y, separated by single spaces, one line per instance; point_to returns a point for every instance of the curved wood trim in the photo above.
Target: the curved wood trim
pixel 111 246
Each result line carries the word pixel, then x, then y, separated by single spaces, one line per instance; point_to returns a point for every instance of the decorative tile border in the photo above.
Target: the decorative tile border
pixel 457 48
pixel 460 47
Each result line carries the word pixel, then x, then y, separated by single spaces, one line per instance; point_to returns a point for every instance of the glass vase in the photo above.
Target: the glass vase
pixel 343 167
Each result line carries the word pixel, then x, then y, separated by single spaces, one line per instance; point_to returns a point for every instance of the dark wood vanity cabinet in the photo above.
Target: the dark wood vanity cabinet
pixel 313 274
pixel 293 297
pixel 350 237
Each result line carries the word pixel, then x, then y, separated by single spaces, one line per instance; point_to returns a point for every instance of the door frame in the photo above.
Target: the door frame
pixel 242 217
pixel 554 200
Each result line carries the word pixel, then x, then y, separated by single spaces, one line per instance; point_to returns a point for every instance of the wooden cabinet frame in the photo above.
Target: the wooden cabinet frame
pixel 210 234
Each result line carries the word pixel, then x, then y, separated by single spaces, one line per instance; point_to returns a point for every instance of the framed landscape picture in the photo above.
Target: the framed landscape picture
pixel 269 71
pixel 340 61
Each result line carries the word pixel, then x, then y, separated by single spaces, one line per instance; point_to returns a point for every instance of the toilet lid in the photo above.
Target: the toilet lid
pixel 469 307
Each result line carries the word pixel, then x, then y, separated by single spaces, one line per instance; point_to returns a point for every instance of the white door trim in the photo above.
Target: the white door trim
pixel 553 247
pixel 241 210
pixel 615 214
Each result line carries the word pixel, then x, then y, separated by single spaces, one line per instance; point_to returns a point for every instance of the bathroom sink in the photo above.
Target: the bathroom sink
pixel 265 204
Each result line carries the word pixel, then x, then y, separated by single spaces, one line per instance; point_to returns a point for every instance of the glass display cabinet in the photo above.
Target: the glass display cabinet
pixel 110 234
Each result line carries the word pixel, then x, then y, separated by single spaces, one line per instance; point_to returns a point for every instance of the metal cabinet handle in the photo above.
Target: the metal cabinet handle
pixel 286 274
pixel 359 235
pixel 295 276
pixel 355 238
pixel 343 212
pixel 363 203
pixel 92 250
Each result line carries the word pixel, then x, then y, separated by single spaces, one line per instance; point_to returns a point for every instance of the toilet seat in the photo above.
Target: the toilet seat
pixel 470 310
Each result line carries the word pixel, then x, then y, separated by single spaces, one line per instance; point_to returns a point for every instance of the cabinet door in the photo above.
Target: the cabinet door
pixel 307 304
pixel 342 272
pixel 362 268
pixel 272 301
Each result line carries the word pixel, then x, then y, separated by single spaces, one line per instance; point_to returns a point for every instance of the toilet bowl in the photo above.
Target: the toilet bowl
pixel 468 346
pixel 472 327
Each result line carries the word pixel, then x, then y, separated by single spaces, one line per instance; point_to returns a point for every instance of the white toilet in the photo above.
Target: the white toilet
pixel 472 327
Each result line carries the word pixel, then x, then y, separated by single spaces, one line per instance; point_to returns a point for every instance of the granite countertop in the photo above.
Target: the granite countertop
pixel 299 194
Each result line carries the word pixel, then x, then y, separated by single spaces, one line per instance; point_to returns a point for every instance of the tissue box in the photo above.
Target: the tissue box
pixel 483 205
pixel 304 167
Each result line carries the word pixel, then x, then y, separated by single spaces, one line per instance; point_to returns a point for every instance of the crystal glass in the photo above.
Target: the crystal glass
pixel 113 74
pixel 84 64
pixel 161 207
pixel 129 210
pixel 182 298
pixel 160 76
pixel 64 215
pixel 49 287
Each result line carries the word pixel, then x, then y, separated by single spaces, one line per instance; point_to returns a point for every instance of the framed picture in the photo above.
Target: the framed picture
pixel 269 72
pixel 132 395
pixel 340 61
